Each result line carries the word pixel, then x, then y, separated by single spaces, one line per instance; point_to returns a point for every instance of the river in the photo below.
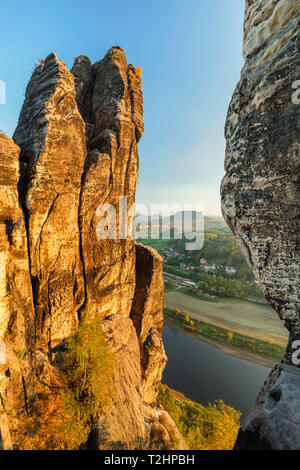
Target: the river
pixel 204 373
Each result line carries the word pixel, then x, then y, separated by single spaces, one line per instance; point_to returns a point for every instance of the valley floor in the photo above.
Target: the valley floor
pixel 242 317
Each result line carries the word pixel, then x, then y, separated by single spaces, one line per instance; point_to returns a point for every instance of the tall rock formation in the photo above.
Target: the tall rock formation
pixel 50 133
pixel 261 199
pixel 62 199
pixel 17 394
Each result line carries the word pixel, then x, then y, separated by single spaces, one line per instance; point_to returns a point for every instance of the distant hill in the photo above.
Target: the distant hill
pixel 176 221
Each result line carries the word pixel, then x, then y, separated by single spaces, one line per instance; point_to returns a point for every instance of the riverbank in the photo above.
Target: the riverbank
pixel 204 373
pixel 236 315
pixel 205 331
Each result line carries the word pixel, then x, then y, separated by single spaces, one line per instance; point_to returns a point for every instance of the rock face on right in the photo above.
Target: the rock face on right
pixel 261 200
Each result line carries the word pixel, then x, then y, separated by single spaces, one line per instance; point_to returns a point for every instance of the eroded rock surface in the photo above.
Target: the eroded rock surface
pixel 110 99
pixel 77 138
pixel 17 333
pixel 123 425
pixel 146 315
pixel 261 189
pixel 51 135
pixel 274 422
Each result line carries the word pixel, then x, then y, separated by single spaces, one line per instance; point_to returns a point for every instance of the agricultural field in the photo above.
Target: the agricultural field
pixel 246 318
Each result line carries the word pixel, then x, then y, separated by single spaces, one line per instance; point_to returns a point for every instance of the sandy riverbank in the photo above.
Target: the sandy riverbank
pixel 246 356
pixel 236 315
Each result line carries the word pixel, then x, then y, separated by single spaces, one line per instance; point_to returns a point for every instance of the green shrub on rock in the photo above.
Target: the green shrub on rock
pixel 89 387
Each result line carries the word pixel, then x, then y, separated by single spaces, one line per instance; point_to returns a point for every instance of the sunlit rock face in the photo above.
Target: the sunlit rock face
pixel 110 99
pixel 16 304
pixel 268 26
pixel 75 149
pixel 261 189
pixel 51 135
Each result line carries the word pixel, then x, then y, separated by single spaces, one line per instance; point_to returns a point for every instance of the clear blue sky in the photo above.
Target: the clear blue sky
pixel 190 52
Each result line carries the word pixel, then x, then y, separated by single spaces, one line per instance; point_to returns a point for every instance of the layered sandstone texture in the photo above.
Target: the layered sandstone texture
pixel 261 192
pixel 66 255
